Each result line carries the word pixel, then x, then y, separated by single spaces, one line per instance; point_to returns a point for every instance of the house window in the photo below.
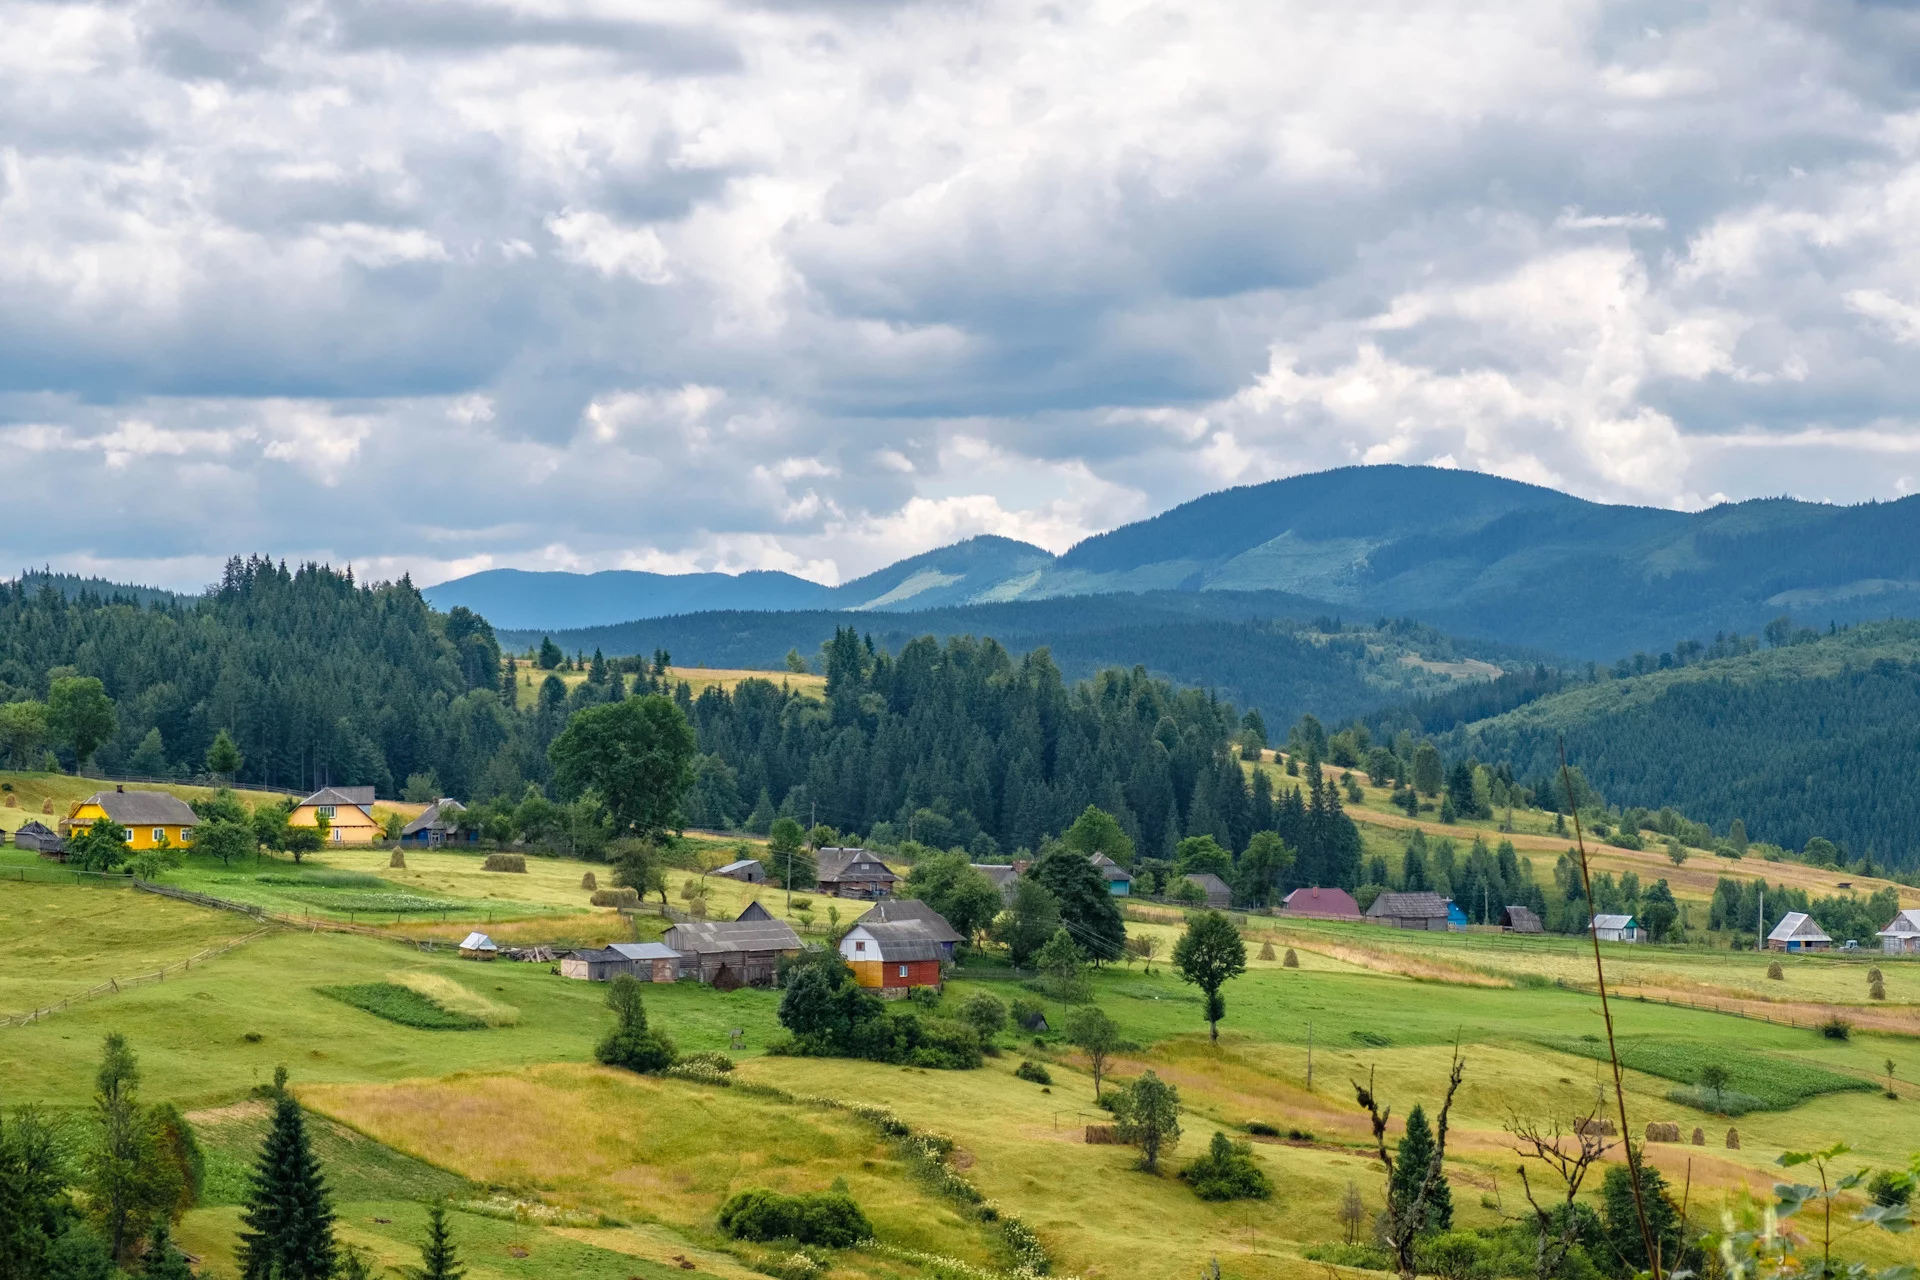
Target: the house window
pixel 859 946
pixel 903 971
pixel 339 834
pixel 325 811
pixel 159 834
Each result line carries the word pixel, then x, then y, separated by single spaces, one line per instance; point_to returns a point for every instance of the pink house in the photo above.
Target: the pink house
pixel 1320 904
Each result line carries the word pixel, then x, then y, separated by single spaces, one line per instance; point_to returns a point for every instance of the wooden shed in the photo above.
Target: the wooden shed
pixel 1798 932
pixel 645 961
pixel 1426 911
pixel 42 839
pixel 749 950
pixel 1218 892
pixel 746 870
pixel 1520 920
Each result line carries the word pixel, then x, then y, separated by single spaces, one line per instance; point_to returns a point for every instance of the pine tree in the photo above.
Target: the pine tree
pixel 1411 1162
pixel 438 1261
pixel 162 1261
pixel 288 1216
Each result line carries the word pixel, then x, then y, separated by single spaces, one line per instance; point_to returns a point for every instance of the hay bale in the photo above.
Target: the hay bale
pixel 1292 961
pixel 1873 974
pixel 398 861
pixel 505 862
pixel 1103 1135
pixel 1266 949
pixel 1663 1131
pixel 588 883
pixel 46 806
pixel 1775 972
pixel 1876 990
pixel 1600 1128
pixel 1699 1136
pixel 13 801
pixel 1733 1139
pixel 616 898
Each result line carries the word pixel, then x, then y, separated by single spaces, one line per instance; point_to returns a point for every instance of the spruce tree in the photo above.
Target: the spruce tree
pixel 438 1261
pixel 1411 1162
pixel 162 1261
pixel 288 1216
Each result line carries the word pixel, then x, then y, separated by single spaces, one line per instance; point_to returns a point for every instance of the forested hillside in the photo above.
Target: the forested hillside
pixel 1260 649
pixel 1818 735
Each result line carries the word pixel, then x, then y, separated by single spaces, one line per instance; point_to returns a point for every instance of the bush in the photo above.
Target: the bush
pixel 1365 1257
pixel 1227 1172
pixel 1837 1028
pixel 829 1219
pixel 1454 1255
pixel 631 1043
pixel 505 862
pixel 616 898
pixel 1890 1189
pixel 925 997
pixel 1028 1070
pixel 984 1013
pixel 1027 1014
pixel 1261 1129
pixel 946 1045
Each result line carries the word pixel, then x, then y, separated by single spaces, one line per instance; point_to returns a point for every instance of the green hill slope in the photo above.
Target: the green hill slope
pixel 1820 738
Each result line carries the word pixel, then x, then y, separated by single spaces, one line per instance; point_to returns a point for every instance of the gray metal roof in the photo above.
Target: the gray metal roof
pixel 1214 884
pixel 895 910
pixel 1798 926
pixel 1613 922
pixel 740 865
pixel 1522 920
pixel 1111 869
pixel 144 808
pixel 902 940
pixel 842 864
pixel 430 817
pixel 359 797
pixel 643 950
pixel 1409 906
pixel 706 937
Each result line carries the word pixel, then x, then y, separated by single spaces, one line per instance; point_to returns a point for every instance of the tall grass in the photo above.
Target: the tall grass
pixel 1773 1083
pixel 403 1005
pixel 452 996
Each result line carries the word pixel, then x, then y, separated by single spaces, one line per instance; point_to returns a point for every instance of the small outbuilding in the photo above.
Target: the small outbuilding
pixel 1119 879
pixel 1456 917
pixel 1521 920
pixel 1219 894
pixel 42 839
pixel 1798 932
pixel 1419 910
pixel 755 911
pixel 746 870
pixel 438 824
pixel 1320 904
pixel 1005 878
pixel 478 946
pixel 892 959
pixel 645 961
pixel 1901 937
pixel 732 952
pixel 1617 928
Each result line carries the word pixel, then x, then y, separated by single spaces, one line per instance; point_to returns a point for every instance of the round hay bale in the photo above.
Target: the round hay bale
pixel 588 883
pixel 398 861
pixel 1291 961
pixel 1699 1136
pixel 1775 972
pixel 1266 949
pixel 1733 1139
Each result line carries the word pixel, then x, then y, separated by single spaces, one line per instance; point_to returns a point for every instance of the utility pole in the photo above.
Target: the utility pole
pixel 1760 925
pixel 1309 1057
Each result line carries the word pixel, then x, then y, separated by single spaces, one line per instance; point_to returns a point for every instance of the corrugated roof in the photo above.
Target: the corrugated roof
pixel 755 911
pixel 430 817
pixel 358 797
pixel 1613 922
pixel 999 873
pixel 898 909
pixel 643 950
pixel 705 937
pixel 1797 926
pixel 900 941
pixel 1904 923
pixel 1335 904
pixel 1409 906
pixel 1210 882
pixel 739 865
pixel 837 864
pixel 1522 920
pixel 144 808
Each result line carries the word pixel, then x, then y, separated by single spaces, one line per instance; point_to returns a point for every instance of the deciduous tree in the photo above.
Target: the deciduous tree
pixel 637 755
pixel 1208 955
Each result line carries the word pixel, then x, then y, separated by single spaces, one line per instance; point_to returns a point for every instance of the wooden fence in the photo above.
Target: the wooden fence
pixel 114 986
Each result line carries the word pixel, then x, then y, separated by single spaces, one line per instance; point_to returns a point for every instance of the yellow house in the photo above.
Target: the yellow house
pixel 150 818
pixel 348 811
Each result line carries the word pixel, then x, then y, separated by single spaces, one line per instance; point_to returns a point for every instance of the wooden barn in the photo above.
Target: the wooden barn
pixel 1218 892
pixel 892 959
pixel 1426 911
pixel 746 870
pixel 42 839
pixel 1901 937
pixel 732 952
pixel 1521 920
pixel 1119 879
pixel 1798 932
pixel 896 910
pixel 1005 878
pixel 645 961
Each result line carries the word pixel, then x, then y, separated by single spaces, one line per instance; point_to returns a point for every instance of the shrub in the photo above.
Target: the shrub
pixel 1775 972
pixel 1454 1255
pixel 1027 1014
pixel 946 1045
pixel 505 862
pixel 1889 1188
pixel 925 997
pixel 1227 1172
pixel 983 1011
pixel 829 1219
pixel 1837 1028
pixel 616 898
pixel 1300 1135
pixel 631 1043
pixel 1028 1070
pixel 588 882
pixel 1364 1257
pixel 1261 1129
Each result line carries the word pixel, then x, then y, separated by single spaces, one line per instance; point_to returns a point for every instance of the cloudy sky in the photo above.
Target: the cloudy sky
pixel 816 284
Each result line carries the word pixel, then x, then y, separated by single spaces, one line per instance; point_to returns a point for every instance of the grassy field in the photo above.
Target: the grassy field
pixel 512 1107
pixel 698 679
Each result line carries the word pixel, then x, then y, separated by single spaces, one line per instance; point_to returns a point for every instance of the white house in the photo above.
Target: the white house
pixel 1609 928
pixel 1901 937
